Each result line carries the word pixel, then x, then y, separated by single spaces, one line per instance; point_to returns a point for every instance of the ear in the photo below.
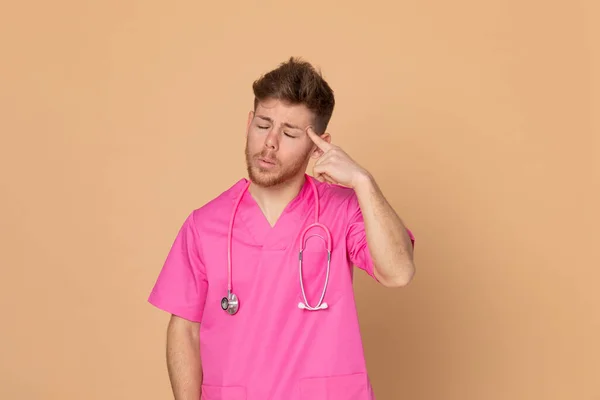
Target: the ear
pixel 250 117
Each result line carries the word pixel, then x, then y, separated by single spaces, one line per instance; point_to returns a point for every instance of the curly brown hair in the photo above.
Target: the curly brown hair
pixel 297 82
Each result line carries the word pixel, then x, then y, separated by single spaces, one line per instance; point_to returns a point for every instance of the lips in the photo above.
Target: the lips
pixel 267 160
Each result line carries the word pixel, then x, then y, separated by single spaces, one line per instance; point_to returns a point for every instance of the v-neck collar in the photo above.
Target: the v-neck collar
pixel 278 236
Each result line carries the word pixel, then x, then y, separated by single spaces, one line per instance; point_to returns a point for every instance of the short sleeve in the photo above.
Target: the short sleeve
pixel 181 286
pixel 356 239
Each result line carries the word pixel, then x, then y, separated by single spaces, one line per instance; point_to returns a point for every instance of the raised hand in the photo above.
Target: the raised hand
pixel 334 165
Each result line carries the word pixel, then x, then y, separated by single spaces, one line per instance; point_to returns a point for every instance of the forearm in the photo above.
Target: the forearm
pixel 387 238
pixel 183 360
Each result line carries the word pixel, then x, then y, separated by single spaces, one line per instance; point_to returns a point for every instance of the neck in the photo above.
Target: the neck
pixel 273 200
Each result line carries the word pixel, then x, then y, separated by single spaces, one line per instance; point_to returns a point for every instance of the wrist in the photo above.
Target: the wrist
pixel 364 182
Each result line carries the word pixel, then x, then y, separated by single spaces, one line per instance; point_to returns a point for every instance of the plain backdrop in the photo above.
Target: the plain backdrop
pixel 479 120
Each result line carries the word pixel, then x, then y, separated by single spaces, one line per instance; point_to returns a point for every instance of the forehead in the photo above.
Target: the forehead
pixel 281 112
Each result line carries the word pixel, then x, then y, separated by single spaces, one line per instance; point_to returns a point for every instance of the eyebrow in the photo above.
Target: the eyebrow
pixel 284 124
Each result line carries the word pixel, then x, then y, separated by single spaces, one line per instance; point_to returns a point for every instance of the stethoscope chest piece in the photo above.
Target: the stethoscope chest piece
pixel 230 304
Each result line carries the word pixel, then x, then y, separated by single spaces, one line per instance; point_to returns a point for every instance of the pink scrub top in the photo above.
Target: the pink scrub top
pixel 271 349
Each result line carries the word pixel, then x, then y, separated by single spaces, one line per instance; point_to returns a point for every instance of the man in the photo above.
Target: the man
pixel 252 317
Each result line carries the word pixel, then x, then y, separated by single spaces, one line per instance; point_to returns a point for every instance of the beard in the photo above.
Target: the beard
pixel 276 175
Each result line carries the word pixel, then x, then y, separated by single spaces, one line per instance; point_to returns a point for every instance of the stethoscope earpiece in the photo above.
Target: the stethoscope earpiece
pixel 303 306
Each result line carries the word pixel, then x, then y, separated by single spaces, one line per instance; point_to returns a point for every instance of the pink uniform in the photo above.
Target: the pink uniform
pixel 272 349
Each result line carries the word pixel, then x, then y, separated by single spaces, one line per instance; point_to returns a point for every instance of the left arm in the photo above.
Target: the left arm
pixel 387 238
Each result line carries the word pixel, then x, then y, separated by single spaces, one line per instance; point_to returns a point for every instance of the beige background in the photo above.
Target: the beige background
pixel 480 121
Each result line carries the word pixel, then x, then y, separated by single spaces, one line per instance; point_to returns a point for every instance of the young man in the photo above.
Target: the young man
pixel 260 297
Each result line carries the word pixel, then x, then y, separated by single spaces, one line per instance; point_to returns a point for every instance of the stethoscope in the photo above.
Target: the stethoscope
pixel 231 303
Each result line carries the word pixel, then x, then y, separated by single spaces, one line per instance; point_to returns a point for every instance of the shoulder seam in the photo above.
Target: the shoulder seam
pixel 192 218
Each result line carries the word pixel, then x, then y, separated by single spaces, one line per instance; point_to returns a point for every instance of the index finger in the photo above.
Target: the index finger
pixel 321 144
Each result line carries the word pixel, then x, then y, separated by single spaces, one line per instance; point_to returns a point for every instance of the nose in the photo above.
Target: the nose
pixel 272 140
